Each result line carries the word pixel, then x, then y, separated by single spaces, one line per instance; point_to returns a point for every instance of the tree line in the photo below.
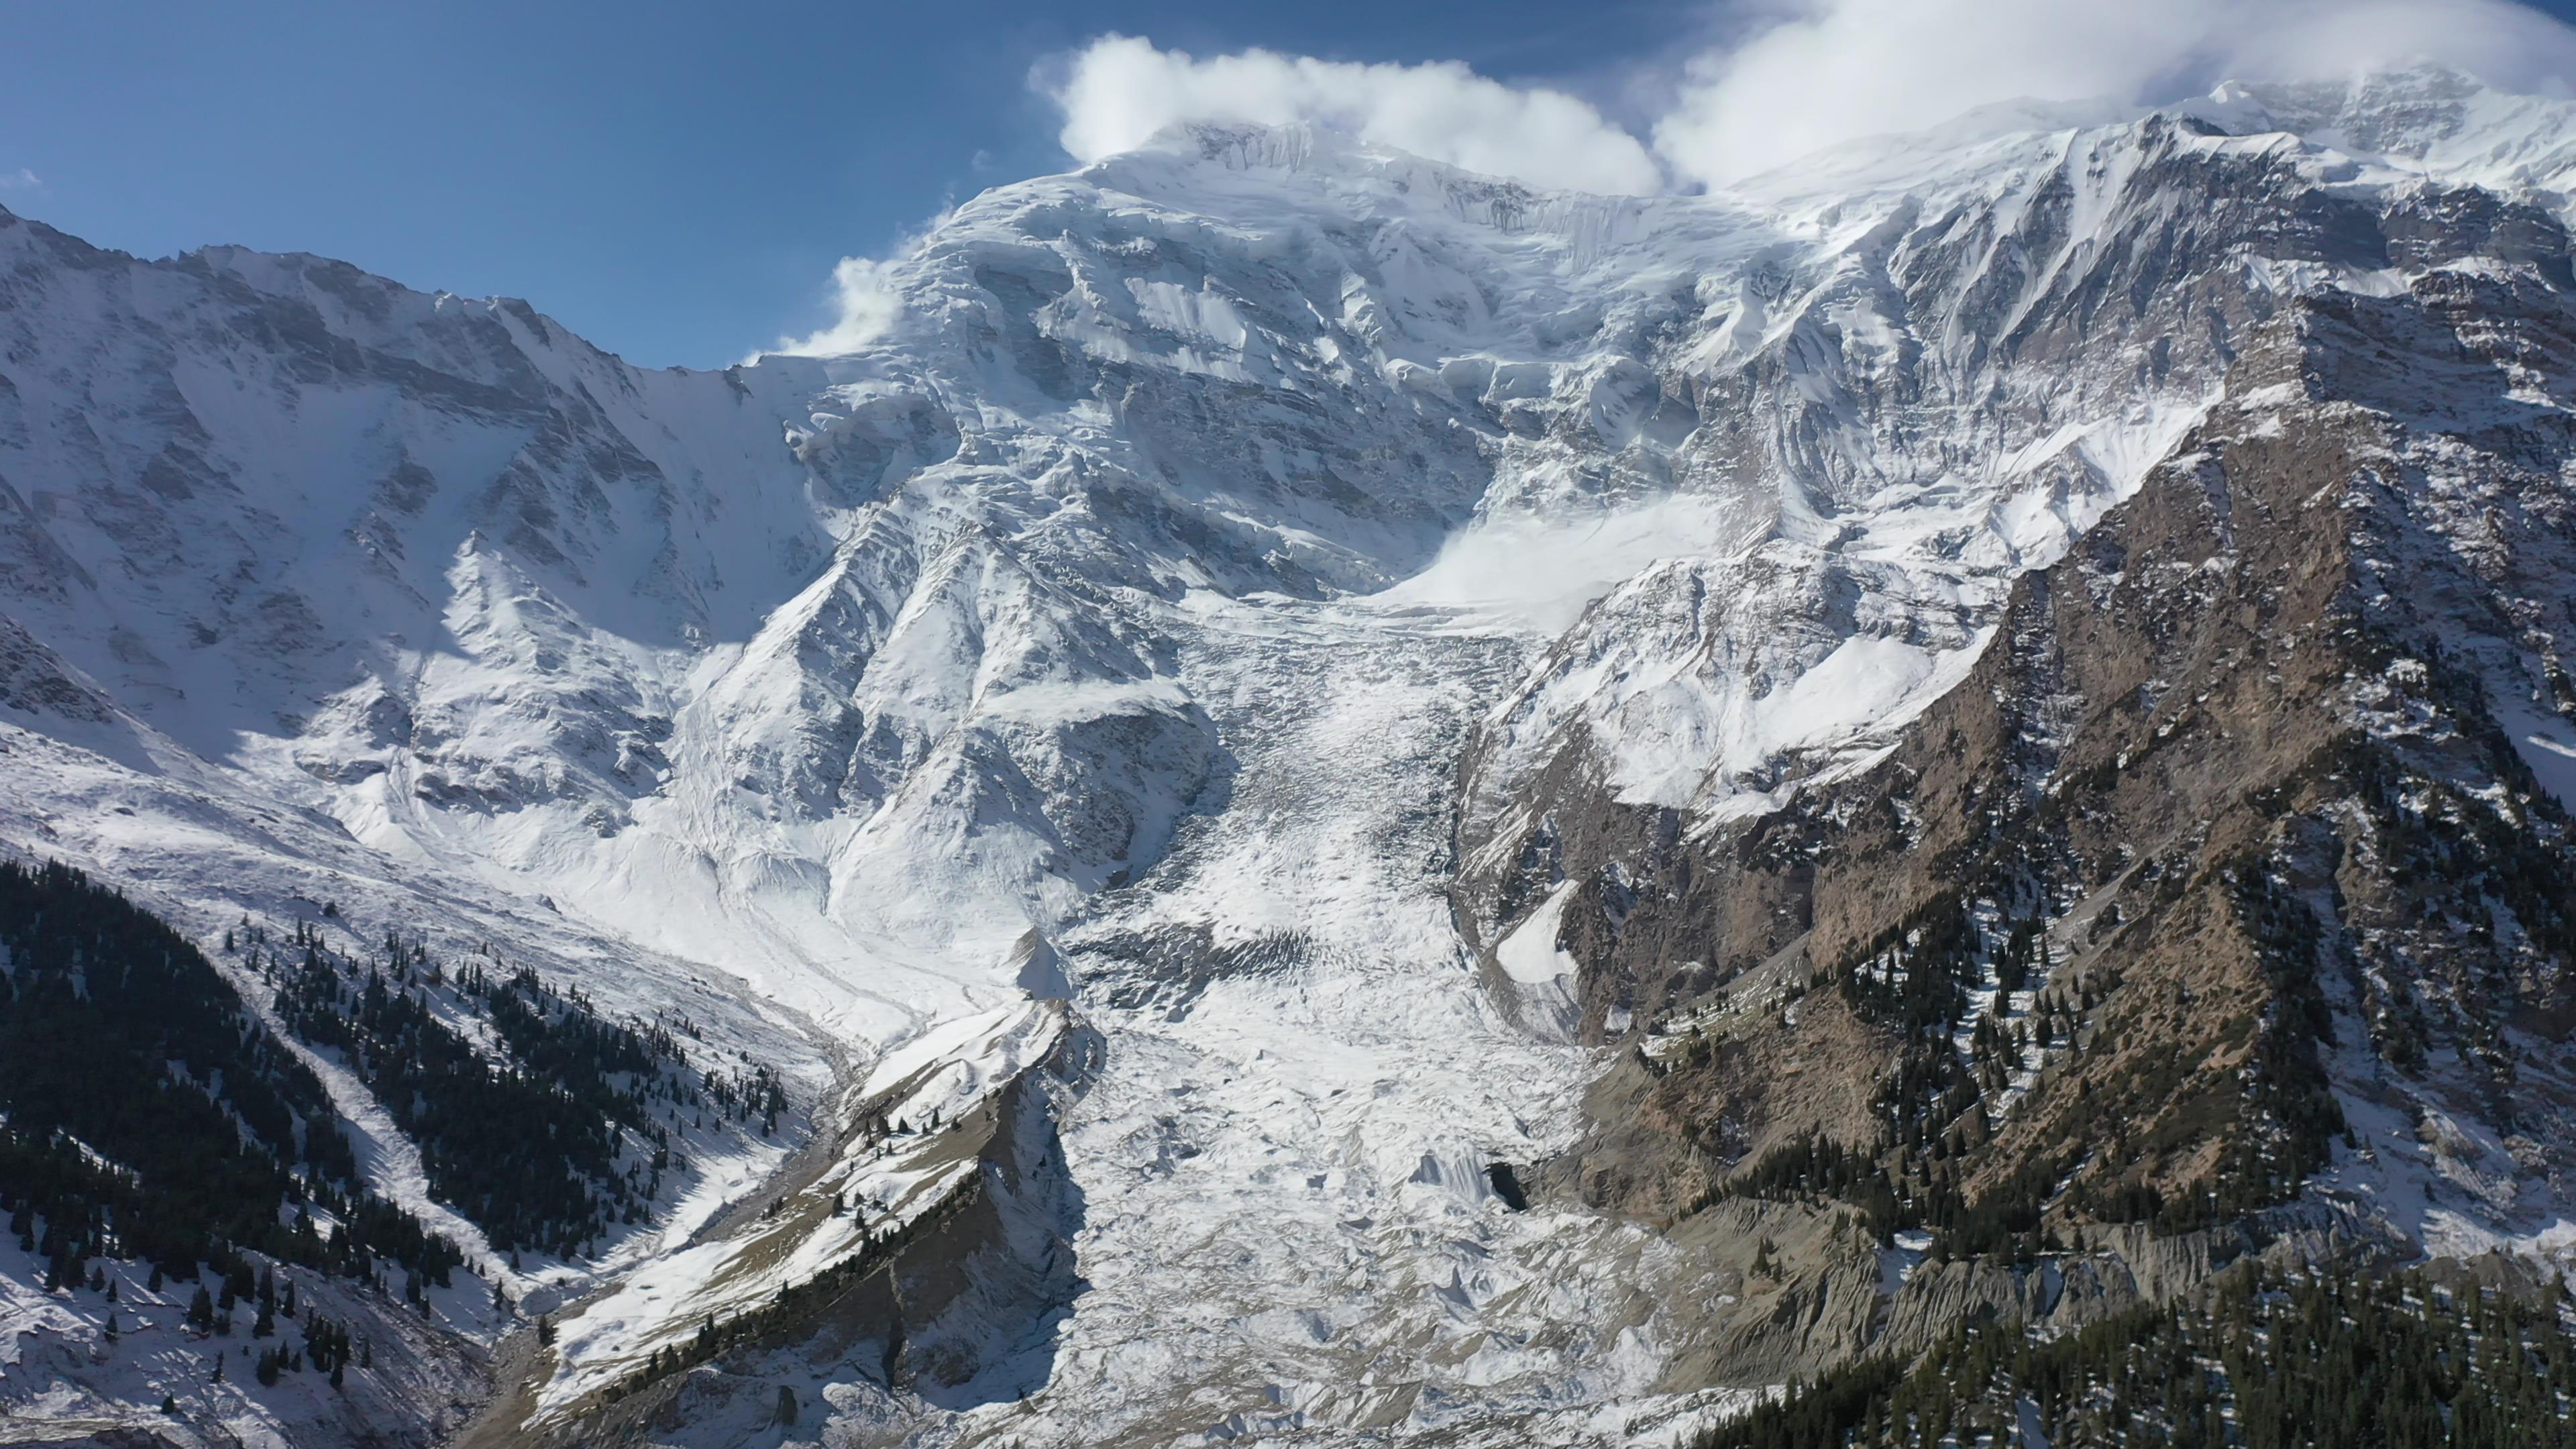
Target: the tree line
pixel 2268 1359
pixel 146 1113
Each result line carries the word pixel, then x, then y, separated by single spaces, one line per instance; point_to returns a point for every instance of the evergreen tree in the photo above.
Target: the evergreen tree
pixel 120 1040
pixel 2262 1362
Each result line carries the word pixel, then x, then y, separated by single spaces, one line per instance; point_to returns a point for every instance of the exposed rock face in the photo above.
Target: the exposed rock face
pixel 2246 829
pixel 910 1339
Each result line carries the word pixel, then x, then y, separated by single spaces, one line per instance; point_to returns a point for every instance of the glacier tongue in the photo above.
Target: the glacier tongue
pixel 1305 1083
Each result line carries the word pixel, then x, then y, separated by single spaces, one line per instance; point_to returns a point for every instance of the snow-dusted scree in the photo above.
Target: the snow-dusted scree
pixel 1098 768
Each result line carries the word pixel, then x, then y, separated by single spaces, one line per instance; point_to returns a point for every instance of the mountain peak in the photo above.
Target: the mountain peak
pixel 1952 662
pixel 1235 165
pixel 2425 118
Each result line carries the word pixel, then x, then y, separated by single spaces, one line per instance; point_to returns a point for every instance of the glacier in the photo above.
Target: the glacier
pixel 1108 672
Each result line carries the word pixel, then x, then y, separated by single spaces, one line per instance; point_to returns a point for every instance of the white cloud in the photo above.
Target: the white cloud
pixel 1806 74
pixel 865 302
pixel 865 308
pixel 21 179
pixel 1119 90
pixel 1838 69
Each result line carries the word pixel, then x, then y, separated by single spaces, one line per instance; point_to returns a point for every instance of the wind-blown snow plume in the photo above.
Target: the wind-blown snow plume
pixel 1816 74
pixel 1842 69
pixel 1119 90
pixel 866 306
pixel 1813 75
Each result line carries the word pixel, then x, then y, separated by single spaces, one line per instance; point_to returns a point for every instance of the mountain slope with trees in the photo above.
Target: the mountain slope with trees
pixel 1612 801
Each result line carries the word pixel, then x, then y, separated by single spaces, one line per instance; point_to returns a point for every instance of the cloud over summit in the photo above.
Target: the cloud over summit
pixel 1837 70
pixel 1119 90
pixel 1802 78
pixel 1798 78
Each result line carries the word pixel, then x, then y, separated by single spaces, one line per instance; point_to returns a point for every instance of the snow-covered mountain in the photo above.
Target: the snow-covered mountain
pixel 1183 719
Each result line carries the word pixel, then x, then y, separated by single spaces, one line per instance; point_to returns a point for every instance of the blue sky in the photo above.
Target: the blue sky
pixel 676 181
pixel 673 181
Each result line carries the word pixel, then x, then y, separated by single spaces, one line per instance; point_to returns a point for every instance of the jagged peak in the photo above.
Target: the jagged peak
pixel 2418 118
pixel 2424 117
pixel 1195 161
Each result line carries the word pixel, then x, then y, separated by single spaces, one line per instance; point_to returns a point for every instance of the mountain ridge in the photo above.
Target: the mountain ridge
pixel 1366 640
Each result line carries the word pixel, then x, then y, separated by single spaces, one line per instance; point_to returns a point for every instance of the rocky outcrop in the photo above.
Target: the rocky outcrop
pixel 953 1314
pixel 2224 880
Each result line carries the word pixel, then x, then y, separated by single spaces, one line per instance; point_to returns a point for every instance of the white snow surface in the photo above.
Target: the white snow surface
pixel 1138 592
pixel 1530 954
